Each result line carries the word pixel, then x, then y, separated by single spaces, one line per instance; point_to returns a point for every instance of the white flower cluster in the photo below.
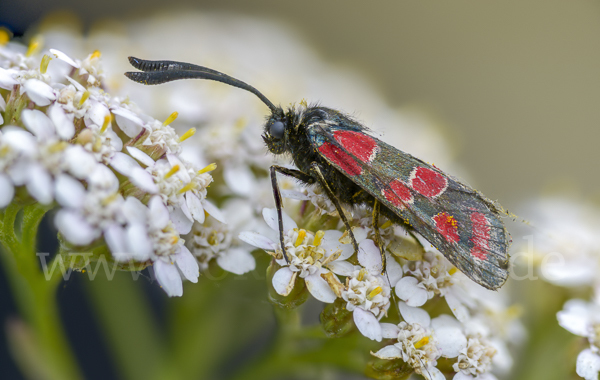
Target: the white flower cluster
pixel 115 173
pixel 568 251
pixel 475 339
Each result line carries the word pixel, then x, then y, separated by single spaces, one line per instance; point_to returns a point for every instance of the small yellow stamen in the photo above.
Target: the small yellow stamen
pixel 95 54
pixel 173 170
pixel 212 238
pixel 240 124
pixel 5 36
pixel 452 271
pixel 84 97
pixel 361 274
pixel 174 240
pixel 318 236
pixel 58 147
pixel 208 168
pixel 171 118
pixel 301 236
pixel 190 132
pixel 375 292
pixel 97 146
pixel 187 187
pixel 107 120
pixel 34 46
pixel 108 200
pixel 386 224
pixel 44 64
pixel 422 342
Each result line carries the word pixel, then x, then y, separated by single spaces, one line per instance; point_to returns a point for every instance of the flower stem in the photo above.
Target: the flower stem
pixel 40 341
pixel 304 350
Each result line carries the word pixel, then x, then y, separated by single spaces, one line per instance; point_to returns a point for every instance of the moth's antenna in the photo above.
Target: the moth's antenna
pixel 157 72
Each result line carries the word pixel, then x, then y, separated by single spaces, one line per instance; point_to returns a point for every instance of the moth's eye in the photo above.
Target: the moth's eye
pixel 276 130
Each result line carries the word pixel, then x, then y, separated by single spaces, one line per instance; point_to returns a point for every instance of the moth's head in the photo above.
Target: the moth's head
pixel 276 133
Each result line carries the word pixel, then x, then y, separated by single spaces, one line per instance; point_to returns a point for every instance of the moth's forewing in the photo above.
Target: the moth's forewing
pixel 456 219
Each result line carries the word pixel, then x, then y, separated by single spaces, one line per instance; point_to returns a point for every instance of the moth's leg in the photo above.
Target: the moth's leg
pixel 277 195
pixel 378 240
pixel 314 167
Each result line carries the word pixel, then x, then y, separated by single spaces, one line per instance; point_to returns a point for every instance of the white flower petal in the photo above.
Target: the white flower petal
pixel 96 114
pixel 237 261
pixel 182 223
pixel 283 281
pixel 270 216
pixel 128 121
pixel 459 310
pixel 159 213
pixel 63 57
pixel 134 211
pixel 388 352
pixel 319 288
pixel 139 243
pixel 213 211
pixel 39 184
pixel 331 243
pixel 76 84
pixel 195 206
pixel 102 177
pixel 75 228
pixel 39 92
pixel 389 330
pixel 588 364
pixel 79 162
pixel 123 163
pixel 143 180
pixel 414 314
pixel 393 269
pixel 257 240
pixel 7 191
pixel 7 81
pixel 19 140
pixel 187 264
pixel 574 317
pixel 240 179
pixel 116 239
pixel 168 277
pixel 63 123
pixel 343 268
pixel 38 123
pixel 435 374
pixel 449 335
pixel 367 324
pixel 69 191
pixel 407 289
pixel 140 156
pixel 370 257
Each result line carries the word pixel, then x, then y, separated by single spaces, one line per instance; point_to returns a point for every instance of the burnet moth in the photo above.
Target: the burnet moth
pixel 335 152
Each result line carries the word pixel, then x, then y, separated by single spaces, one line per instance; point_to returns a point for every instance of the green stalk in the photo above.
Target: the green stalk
pixel 39 345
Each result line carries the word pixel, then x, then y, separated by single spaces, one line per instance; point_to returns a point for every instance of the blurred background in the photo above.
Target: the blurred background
pixel 514 86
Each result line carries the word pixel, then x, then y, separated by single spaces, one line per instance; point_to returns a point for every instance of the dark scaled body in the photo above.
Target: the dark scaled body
pixel 335 152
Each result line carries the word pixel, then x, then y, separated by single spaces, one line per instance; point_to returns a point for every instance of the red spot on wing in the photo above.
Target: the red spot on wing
pixel 428 182
pixel 398 194
pixel 447 226
pixel 339 157
pixel 359 144
pixel 480 232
